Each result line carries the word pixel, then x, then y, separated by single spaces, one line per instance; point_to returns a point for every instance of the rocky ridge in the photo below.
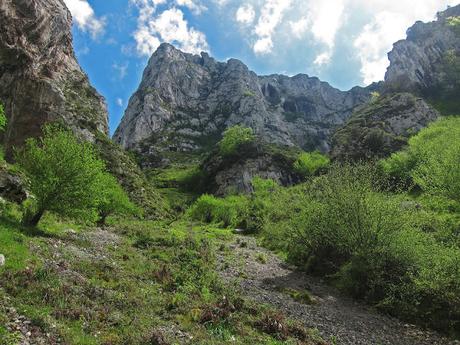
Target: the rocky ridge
pixel 185 102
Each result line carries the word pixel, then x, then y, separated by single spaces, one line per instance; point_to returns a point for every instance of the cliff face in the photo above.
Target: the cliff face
pixel 427 62
pixel 40 79
pixel 185 102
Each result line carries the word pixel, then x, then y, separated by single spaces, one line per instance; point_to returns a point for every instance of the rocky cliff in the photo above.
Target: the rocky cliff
pixel 185 102
pixel 381 127
pixel 40 79
pixel 427 62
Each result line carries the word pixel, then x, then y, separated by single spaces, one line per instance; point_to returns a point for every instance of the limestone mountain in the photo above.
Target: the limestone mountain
pixel 40 78
pixel 185 102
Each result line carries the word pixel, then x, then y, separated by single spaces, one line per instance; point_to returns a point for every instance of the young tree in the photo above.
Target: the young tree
pixel 113 200
pixel 64 175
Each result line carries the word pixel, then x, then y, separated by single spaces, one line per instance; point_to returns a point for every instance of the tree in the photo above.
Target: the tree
pixel 64 175
pixel 234 137
pixel 2 118
pixel 113 199
pixel 309 163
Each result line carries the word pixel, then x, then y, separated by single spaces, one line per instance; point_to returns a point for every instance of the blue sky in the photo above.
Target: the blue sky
pixel 343 42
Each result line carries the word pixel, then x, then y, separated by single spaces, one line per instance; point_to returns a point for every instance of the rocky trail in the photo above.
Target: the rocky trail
pixel 263 277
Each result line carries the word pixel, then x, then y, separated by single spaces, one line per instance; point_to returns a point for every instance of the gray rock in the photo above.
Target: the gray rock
pixel 185 102
pixel 11 186
pixel 419 63
pixel 2 260
pixel 40 78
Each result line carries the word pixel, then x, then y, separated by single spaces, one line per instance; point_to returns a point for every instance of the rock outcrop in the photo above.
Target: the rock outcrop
pixel 427 62
pixel 12 187
pixel 40 78
pixel 185 102
pixel 381 127
pixel 234 173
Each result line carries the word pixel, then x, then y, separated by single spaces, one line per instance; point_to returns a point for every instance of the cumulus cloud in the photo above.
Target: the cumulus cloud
pixel 300 27
pixel 192 5
pixel 167 26
pixel 271 16
pixel 121 69
pixel 245 14
pixel 84 17
pixel 119 102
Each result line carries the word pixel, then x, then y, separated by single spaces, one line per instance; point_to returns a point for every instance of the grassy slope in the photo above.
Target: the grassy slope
pixel 133 283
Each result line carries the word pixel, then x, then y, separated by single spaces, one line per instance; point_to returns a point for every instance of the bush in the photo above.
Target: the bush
pixel 64 175
pixel 309 163
pixel 113 199
pixel 233 138
pixel 228 211
pixel 432 160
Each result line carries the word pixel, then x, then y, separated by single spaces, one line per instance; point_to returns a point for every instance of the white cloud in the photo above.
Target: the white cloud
pixel 245 14
pixel 271 16
pixel 323 58
pixel 85 18
pixel 192 5
pixel 119 102
pixel 327 19
pixel 299 27
pixel 122 69
pixel 168 26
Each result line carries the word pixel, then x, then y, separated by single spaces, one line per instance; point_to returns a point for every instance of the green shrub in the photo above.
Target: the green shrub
pixel 233 138
pixel 112 199
pixel 64 175
pixel 309 163
pixel 432 159
pixel 228 211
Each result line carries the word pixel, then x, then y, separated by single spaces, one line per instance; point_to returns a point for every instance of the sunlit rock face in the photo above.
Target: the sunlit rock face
pixel 40 79
pixel 427 62
pixel 185 102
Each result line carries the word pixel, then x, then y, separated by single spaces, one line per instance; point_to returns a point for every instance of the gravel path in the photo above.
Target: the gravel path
pixel 263 277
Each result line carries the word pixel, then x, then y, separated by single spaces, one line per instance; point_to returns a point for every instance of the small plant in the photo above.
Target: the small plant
pixel 375 95
pixel 309 163
pixel 262 258
pixel 233 138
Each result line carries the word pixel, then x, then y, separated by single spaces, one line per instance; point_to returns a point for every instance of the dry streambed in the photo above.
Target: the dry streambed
pixel 262 276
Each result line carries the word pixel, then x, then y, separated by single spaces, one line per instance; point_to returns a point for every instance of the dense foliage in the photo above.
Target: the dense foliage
pixel 67 178
pixel 233 138
pixel 309 163
pixel 431 161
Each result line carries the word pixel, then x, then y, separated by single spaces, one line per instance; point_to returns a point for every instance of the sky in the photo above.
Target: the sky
pixel 343 42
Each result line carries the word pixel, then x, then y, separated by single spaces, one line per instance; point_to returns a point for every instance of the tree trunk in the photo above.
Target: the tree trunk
pixel 33 220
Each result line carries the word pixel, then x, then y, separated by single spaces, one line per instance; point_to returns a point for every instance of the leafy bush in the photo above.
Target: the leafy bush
pixel 2 118
pixel 432 159
pixel 64 175
pixel 112 199
pixel 309 163
pixel 233 138
pixel 229 211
